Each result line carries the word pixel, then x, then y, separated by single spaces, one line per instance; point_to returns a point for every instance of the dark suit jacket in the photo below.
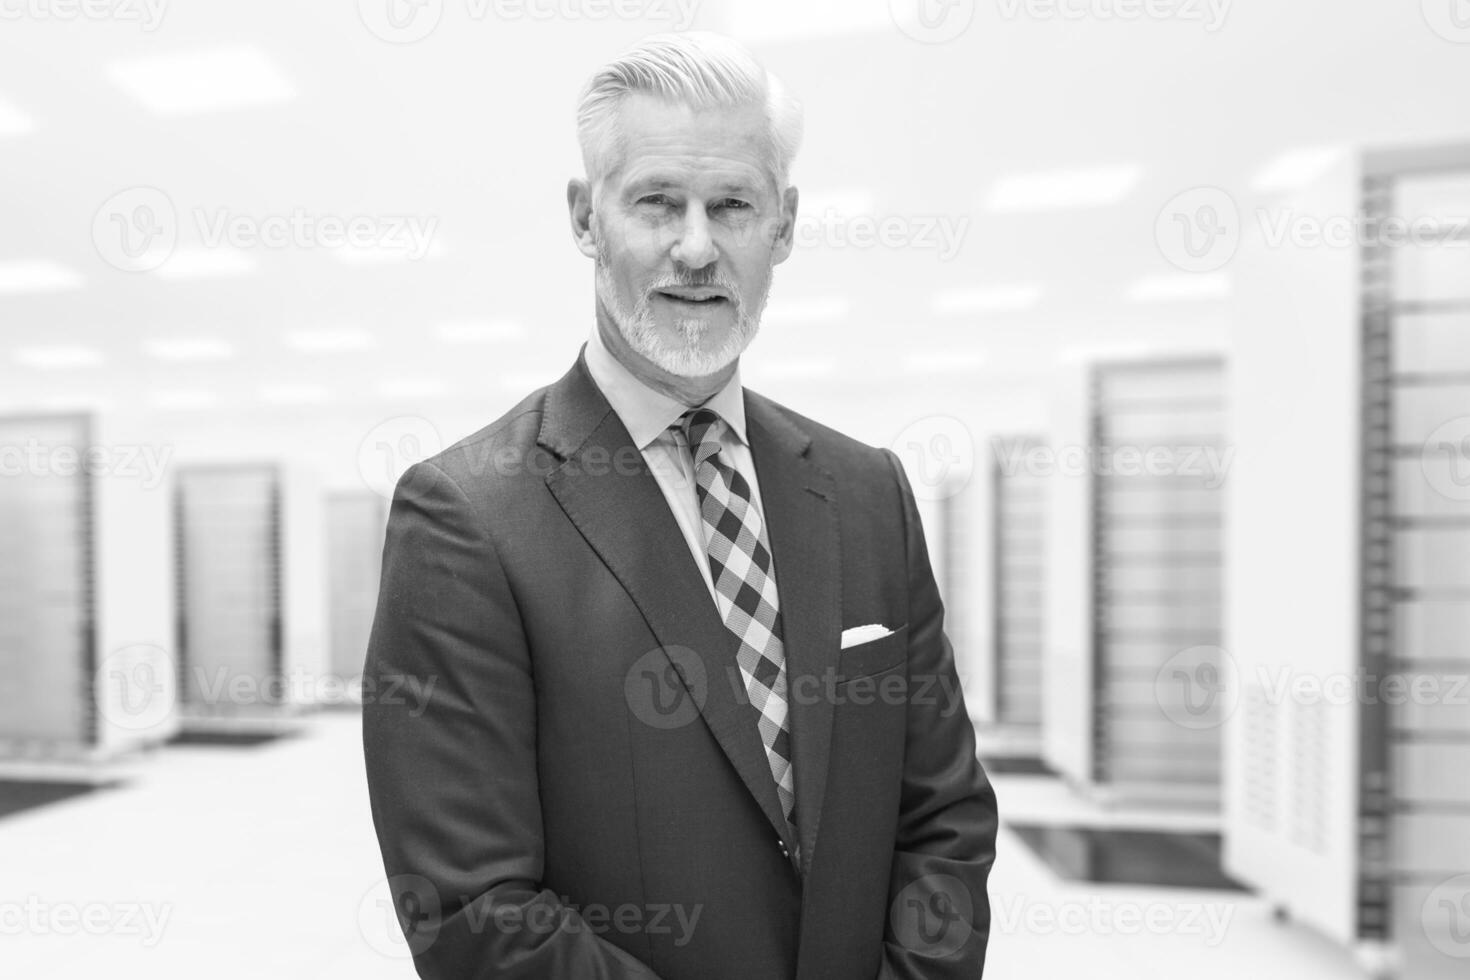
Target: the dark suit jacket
pixel 566 783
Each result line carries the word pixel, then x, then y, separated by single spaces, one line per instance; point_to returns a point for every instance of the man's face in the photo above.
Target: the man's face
pixel 687 229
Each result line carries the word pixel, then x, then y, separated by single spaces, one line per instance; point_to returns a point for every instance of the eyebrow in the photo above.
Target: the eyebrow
pixel 664 183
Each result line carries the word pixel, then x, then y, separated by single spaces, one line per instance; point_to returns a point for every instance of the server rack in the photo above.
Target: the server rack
pixel 1018 535
pixel 250 594
pixel 1414 821
pixel 48 630
pixel 1157 441
pixel 1350 563
pixel 228 531
pixel 85 664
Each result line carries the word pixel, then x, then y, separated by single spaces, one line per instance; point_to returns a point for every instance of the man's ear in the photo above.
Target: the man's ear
pixel 579 209
pixel 786 230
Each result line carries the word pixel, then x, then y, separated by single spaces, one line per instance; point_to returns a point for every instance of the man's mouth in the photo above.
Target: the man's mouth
pixel 696 296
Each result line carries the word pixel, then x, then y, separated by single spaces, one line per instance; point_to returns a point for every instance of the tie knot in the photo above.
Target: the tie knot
pixel 702 429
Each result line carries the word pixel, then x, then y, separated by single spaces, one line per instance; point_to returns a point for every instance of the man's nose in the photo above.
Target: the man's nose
pixel 695 246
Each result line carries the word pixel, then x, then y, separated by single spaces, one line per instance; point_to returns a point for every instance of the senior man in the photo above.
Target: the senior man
pixel 693 714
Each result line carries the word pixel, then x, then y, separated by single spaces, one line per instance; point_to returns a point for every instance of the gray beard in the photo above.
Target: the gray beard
pixel 685 360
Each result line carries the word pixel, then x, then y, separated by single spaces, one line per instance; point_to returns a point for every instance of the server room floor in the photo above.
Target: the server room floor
pixel 259 862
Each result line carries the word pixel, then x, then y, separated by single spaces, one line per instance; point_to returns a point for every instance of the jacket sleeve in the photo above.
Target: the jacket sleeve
pixel 939 912
pixel 449 737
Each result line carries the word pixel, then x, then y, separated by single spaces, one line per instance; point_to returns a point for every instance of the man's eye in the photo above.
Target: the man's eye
pixel 733 204
pixel 655 200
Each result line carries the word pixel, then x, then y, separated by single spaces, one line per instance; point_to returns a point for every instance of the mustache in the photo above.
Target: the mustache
pixel 695 280
pixel 709 276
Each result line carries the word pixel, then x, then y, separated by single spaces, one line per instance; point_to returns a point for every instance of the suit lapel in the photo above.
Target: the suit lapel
pixel 799 502
pixel 621 512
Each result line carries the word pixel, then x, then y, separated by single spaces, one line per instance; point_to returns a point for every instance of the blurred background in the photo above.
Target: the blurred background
pixel 1165 305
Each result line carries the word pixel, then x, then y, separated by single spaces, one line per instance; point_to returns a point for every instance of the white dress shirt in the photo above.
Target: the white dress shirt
pixel 647 414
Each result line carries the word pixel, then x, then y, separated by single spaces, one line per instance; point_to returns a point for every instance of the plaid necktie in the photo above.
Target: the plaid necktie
pixel 745 585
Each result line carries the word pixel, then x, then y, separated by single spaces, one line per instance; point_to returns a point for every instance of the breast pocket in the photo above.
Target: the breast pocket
pixel 874 657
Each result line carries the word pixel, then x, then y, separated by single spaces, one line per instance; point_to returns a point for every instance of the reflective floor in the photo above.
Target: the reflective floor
pixel 1168 858
pixel 197 867
pixel 19 795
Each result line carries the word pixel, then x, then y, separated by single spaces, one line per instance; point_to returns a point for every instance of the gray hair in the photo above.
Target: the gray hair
pixel 695 68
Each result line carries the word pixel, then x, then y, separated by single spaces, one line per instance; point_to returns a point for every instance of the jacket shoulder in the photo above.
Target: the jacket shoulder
pixel 500 449
pixel 829 447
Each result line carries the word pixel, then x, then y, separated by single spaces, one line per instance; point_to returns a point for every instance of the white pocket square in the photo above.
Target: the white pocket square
pixel 863 634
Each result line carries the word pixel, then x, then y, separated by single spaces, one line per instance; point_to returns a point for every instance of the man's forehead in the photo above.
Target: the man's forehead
pixel 711 176
pixel 665 143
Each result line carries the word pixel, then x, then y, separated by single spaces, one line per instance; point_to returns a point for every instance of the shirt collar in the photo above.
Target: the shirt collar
pixel 646 413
